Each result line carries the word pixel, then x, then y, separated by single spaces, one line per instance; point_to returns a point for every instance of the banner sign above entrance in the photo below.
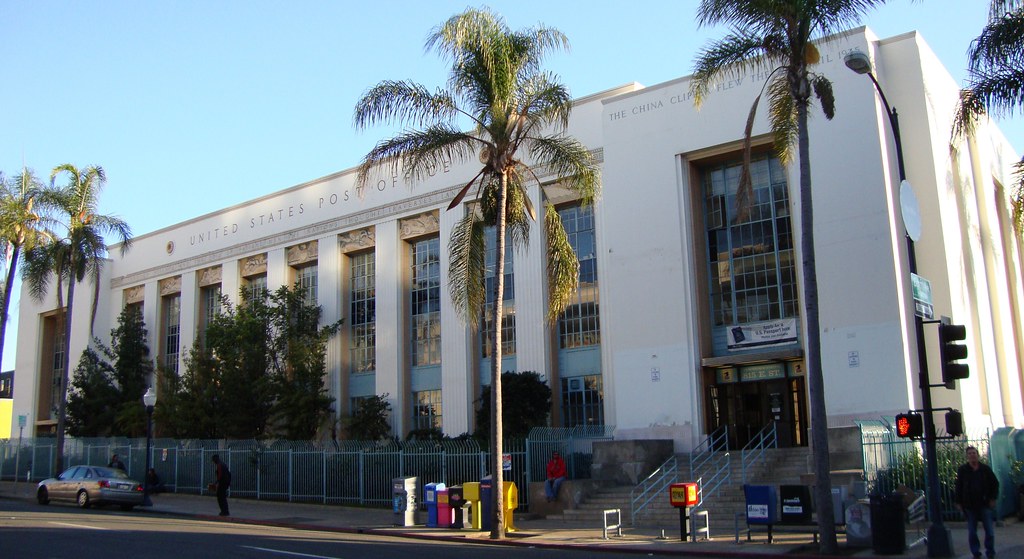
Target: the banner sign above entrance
pixel 762 334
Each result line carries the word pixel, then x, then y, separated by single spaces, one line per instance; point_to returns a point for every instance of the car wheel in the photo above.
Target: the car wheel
pixel 83 499
pixel 43 496
pixel 127 507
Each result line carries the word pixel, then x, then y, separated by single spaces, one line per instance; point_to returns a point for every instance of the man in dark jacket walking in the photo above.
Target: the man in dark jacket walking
pixel 976 491
pixel 223 483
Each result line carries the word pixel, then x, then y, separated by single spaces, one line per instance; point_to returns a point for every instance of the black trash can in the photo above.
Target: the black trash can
pixel 888 524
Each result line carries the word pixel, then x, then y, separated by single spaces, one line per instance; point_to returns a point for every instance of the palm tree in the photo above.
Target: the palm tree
pixel 22 227
pixel 70 258
pixel 778 34
pixel 517 115
pixel 995 80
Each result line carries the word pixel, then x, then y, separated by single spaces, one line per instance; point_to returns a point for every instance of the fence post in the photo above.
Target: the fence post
pixel 291 461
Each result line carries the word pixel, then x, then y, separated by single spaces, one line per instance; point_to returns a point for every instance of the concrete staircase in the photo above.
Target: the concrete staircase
pixel 779 467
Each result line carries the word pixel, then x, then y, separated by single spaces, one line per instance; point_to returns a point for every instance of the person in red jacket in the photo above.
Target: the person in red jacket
pixel 556 475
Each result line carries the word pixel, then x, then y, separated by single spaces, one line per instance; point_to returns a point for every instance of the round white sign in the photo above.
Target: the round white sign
pixel 911 211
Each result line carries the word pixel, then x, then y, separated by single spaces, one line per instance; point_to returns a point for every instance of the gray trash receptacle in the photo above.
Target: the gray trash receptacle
pixel 888 524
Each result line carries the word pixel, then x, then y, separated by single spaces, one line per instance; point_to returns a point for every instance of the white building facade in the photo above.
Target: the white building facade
pixel 688 315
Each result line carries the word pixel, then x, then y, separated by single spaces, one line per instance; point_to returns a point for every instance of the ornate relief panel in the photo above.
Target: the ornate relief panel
pixel 209 276
pixel 302 253
pixel 420 225
pixel 357 240
pixel 170 286
pixel 135 294
pixel 253 265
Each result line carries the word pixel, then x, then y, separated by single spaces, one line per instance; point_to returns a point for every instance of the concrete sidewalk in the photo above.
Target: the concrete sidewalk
pixel 532 532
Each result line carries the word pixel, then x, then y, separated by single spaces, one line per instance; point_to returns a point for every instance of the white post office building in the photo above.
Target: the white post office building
pixel 687 316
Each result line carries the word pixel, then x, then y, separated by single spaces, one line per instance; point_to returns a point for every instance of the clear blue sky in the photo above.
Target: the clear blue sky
pixel 191 106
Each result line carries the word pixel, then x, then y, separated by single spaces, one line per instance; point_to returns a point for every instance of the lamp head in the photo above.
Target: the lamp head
pixel 149 398
pixel 858 62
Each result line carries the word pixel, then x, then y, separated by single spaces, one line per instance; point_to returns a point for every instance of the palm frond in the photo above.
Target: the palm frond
pixel 782 114
pixel 1000 43
pixel 823 91
pixel 418 151
pixel 563 264
pixel 733 54
pixel 403 102
pixel 466 266
pixel 571 163
pixel 999 91
pixel 1018 198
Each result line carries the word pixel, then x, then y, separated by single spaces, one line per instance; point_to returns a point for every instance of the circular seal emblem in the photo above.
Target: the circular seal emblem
pixel 170 247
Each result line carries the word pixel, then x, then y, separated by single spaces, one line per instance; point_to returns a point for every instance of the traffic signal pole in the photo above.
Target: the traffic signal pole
pixel 940 542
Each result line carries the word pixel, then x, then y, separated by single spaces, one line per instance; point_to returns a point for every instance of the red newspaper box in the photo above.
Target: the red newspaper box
pixel 683 494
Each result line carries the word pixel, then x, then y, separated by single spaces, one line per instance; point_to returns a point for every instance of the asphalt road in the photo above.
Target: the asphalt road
pixel 58 531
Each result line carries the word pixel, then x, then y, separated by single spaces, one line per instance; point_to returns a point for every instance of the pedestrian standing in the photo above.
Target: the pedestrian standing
pixel 115 462
pixel 223 483
pixel 976 491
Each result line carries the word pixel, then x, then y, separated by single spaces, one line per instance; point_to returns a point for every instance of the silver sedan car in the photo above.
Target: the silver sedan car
pixel 92 485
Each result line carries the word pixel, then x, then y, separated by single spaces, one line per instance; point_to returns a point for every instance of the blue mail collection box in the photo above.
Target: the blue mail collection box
pixel 762 504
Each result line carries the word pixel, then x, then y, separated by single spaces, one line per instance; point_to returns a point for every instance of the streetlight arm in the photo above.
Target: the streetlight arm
pixel 894 122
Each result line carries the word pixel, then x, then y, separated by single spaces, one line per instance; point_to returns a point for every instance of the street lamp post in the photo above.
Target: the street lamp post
pixel 149 400
pixel 940 542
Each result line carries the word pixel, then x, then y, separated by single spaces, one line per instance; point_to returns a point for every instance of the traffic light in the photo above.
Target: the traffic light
pixel 951 351
pixel 909 425
pixel 954 423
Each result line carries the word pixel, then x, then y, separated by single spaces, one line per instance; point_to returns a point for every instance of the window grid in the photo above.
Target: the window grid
pixel 172 331
pixel 307 279
pixel 210 297
pixel 58 367
pixel 582 401
pixel 256 287
pixel 579 325
pixel 426 302
pixel 751 256
pixel 363 314
pixel 508 311
pixel 426 409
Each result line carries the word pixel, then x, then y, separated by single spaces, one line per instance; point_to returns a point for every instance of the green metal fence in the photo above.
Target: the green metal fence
pixel 346 472
pixel 891 462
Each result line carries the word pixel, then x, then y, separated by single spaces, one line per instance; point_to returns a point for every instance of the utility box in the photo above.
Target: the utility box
pixel 796 504
pixel 403 500
pixel 444 511
pixel 471 492
pixel 430 491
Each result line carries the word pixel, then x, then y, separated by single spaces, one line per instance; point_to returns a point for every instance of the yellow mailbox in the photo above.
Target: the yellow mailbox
pixel 471 493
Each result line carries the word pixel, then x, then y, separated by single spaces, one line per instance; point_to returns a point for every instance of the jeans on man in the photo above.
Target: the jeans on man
pixel 551 488
pixel 987 518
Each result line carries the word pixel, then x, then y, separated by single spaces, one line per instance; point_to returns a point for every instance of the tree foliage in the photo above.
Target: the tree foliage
pixel 259 372
pixel 526 403
pixel 108 384
pixel 995 81
pixel 369 421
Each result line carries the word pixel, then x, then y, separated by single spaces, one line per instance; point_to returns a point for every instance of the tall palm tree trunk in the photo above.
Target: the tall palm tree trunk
pixel 8 286
pixel 498 525
pixel 62 406
pixel 815 376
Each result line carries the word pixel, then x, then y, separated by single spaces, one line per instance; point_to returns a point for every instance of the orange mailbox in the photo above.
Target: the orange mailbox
pixel 683 494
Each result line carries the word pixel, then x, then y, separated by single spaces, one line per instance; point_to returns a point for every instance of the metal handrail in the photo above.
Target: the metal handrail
pixel 711 469
pixel 754 451
pixel 652 486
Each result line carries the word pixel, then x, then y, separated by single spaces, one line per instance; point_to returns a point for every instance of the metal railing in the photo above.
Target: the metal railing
pixel 345 472
pixel 891 462
pixel 710 464
pixel 652 487
pixel 754 451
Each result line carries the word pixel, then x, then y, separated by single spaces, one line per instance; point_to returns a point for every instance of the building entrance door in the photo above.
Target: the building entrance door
pixel 748 407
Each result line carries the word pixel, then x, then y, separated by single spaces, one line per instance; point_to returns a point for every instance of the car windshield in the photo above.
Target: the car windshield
pixel 111 473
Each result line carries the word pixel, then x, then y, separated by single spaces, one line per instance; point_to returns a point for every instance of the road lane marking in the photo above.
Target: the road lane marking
pixel 79 526
pixel 292 553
